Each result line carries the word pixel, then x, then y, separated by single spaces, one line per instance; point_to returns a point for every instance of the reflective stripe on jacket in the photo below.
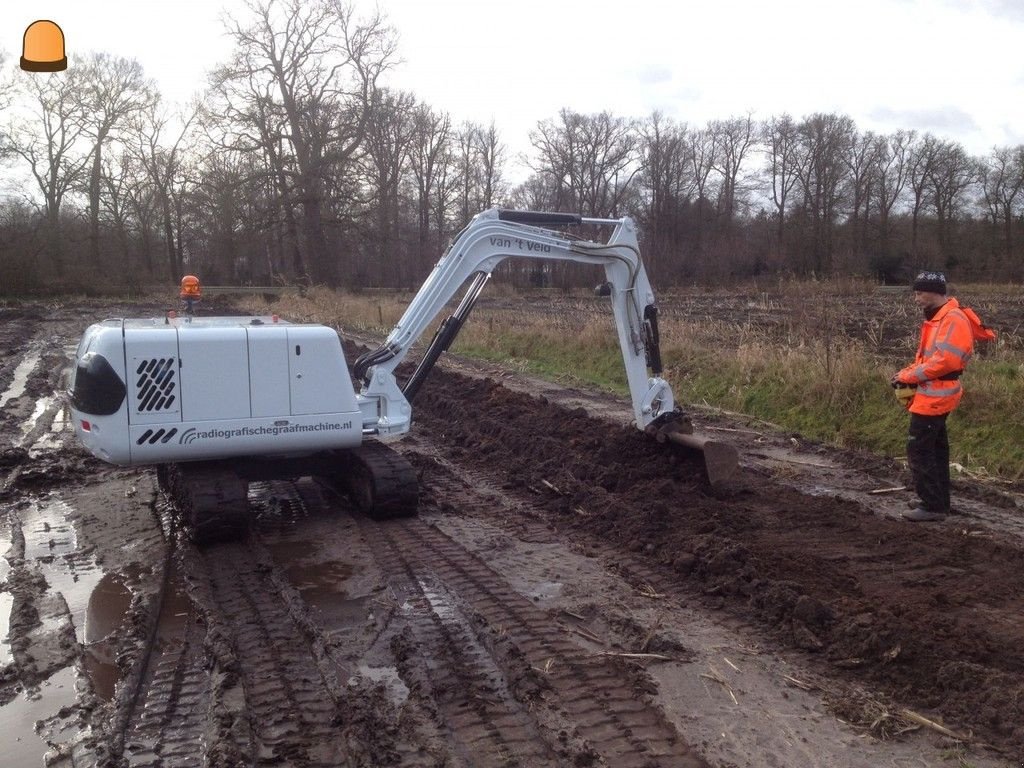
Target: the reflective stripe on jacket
pixel 947 343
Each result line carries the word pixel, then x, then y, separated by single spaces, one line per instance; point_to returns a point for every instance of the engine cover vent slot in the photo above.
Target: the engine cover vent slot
pixel 155 384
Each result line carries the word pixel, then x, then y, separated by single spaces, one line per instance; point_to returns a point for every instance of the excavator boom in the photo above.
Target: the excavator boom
pixel 490 238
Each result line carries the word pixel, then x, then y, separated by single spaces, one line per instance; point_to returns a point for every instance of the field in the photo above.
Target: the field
pixel 571 594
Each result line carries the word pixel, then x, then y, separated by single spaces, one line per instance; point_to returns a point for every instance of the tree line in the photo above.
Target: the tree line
pixel 300 164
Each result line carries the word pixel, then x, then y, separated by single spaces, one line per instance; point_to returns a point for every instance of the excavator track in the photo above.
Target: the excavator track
pixel 380 481
pixel 212 500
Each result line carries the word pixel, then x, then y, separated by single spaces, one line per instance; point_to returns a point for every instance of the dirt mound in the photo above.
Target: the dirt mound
pixel 933 616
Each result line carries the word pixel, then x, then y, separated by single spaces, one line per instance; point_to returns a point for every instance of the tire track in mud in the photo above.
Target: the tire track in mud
pixel 489 679
pixel 173 714
pixel 290 705
pixel 585 693
pixel 468 684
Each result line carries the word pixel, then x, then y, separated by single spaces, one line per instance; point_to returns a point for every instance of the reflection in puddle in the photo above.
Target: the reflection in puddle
pixel 20 380
pixel 439 603
pixel 108 604
pixel 21 746
pixel 545 590
pixel 6 603
pixel 52 439
pixel 42 406
pixel 48 532
pixel 320 580
pixel 102 669
pixel 175 610
pixel 6 598
pixel 96 601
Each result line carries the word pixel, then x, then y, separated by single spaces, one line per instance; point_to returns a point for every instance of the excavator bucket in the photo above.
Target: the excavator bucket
pixel 721 460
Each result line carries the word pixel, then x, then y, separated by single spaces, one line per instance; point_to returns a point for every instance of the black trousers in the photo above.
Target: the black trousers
pixel 928 456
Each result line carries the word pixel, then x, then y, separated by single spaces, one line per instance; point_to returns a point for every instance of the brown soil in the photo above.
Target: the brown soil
pixel 573 593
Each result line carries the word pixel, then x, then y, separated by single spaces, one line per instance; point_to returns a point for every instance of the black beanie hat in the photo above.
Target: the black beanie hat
pixel 932 282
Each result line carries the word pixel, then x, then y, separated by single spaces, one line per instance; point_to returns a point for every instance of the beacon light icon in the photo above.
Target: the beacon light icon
pixel 43 48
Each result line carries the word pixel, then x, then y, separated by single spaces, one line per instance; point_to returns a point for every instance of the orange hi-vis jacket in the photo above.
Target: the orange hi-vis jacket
pixel 947 343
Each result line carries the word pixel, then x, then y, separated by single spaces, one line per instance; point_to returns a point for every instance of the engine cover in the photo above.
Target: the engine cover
pixel 169 390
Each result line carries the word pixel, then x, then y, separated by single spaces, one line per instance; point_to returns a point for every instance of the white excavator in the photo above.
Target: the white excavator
pixel 217 402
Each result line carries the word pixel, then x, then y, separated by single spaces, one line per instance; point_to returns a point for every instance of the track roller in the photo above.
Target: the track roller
pixel 381 482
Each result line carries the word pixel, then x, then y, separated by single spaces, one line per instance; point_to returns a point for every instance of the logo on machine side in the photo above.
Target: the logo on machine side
pixel 192 434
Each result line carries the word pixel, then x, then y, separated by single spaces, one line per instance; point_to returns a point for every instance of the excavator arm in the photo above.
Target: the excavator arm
pixel 490 238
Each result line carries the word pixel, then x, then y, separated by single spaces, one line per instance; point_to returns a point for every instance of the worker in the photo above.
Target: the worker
pixel 930 387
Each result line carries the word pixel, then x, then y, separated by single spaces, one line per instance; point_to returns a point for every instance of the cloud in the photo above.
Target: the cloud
pixel 939 120
pixel 1006 10
pixel 654 75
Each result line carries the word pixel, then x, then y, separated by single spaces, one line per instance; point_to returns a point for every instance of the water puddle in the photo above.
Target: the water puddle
pixel 6 603
pixel 397 690
pixel 20 380
pixel 5 547
pixel 321 582
pixel 545 590
pixel 22 746
pixel 42 406
pixel 439 603
pixel 175 610
pixel 97 601
pixel 6 598
pixel 108 604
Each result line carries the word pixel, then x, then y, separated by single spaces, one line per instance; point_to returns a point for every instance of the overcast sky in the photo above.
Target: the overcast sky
pixel 952 67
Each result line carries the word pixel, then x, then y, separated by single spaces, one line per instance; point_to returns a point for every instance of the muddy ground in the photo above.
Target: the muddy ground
pixel 572 594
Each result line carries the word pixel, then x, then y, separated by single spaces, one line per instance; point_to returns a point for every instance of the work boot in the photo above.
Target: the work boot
pixel 922 515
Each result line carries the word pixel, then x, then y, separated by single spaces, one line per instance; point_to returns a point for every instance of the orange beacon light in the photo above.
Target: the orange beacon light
pixel 190 287
pixel 190 294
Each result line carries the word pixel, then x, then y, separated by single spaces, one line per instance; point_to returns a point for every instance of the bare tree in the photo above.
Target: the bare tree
pixel 390 132
pixel 733 139
pixel 113 90
pixel 950 175
pixel 702 153
pixel 50 139
pixel 116 179
pixel 7 89
pixel 431 148
pixel 825 141
pixel 480 161
pixel 1002 181
pixel 321 64
pixel 491 151
pixel 608 162
pixel 557 144
pixel 923 155
pixel 668 185
pixel 891 178
pixel 862 168
pixel 780 137
pixel 161 156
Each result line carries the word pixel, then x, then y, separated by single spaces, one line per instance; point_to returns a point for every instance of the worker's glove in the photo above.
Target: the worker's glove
pixel 904 392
